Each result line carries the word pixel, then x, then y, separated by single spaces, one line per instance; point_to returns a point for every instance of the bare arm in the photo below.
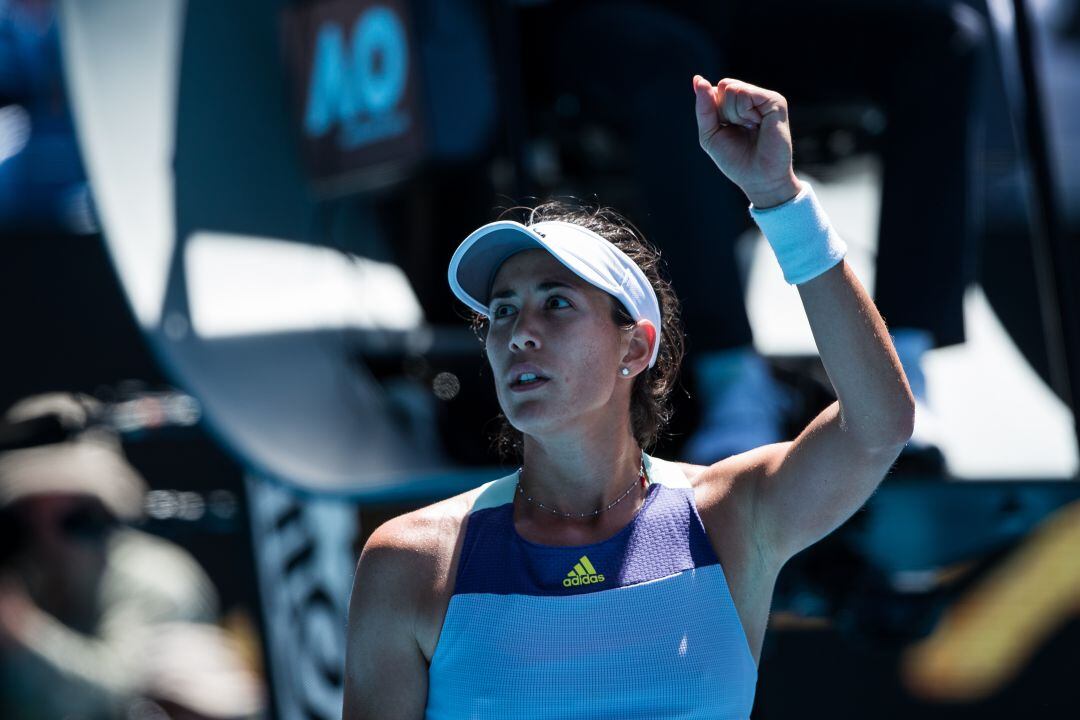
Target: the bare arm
pixel 876 406
pixel 385 670
pixel 802 490
pixel 813 484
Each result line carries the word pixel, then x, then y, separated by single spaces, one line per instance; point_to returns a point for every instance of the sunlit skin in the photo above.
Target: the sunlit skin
pixel 577 424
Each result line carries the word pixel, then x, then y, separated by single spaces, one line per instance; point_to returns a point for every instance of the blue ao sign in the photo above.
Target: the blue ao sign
pixel 355 86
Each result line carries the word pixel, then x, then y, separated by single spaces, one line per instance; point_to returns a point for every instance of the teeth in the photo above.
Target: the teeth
pixel 527 377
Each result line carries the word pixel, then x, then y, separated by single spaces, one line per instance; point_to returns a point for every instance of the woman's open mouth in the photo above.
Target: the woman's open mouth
pixel 527 381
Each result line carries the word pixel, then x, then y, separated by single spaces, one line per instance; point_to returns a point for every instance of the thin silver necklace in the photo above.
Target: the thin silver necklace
pixel 643 478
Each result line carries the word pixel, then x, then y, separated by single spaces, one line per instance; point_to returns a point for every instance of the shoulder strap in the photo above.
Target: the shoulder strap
pixel 665 472
pixel 496 492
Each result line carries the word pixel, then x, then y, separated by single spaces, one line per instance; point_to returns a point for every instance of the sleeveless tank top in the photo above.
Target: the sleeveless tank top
pixel 641 625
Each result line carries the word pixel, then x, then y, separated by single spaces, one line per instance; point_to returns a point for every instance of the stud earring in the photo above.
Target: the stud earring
pixel 625 371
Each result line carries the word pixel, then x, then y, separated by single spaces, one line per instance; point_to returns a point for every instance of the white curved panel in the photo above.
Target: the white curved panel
pixel 239 285
pixel 121 61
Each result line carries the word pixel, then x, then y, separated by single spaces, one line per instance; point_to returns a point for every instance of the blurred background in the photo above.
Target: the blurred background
pixel 230 351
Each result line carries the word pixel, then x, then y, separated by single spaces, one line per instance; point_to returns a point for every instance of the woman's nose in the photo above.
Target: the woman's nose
pixel 524 335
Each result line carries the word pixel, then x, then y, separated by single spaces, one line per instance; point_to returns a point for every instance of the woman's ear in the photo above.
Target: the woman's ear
pixel 639 349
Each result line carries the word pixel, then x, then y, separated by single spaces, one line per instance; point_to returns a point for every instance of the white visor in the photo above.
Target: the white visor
pixel 587 254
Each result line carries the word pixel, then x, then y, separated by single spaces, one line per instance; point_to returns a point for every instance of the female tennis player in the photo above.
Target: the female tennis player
pixel 598 581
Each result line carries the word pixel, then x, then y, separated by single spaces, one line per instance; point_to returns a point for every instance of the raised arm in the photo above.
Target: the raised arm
pixel 385 670
pixel 803 489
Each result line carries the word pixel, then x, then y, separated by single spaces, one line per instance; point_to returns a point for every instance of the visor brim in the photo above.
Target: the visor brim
pixel 478 258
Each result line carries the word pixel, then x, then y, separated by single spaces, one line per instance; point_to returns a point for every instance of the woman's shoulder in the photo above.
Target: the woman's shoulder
pixel 424 529
pixel 732 473
pixel 417 550
pixel 427 537
pixel 675 471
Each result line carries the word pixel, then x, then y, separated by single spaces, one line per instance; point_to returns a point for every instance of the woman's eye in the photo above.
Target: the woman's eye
pixel 557 298
pixel 498 312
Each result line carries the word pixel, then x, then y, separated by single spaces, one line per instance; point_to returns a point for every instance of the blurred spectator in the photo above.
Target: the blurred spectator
pixel 80 593
pixel 195 671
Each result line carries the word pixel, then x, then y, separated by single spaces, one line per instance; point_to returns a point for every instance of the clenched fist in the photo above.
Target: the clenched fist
pixel 744 129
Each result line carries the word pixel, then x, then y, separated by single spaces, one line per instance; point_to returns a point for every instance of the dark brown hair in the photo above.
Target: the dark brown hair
pixel 650 405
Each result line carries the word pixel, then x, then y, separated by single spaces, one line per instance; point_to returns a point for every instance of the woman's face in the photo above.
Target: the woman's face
pixel 547 320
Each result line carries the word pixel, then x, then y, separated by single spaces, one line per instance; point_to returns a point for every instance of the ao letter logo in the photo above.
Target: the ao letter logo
pixel 359 85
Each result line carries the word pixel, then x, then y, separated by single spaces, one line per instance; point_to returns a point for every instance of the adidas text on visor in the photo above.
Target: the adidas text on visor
pixel 588 255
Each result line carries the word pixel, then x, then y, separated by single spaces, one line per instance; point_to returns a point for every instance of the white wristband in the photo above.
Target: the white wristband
pixel 805 243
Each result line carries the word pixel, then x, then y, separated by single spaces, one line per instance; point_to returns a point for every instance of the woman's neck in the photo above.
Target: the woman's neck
pixel 580 474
